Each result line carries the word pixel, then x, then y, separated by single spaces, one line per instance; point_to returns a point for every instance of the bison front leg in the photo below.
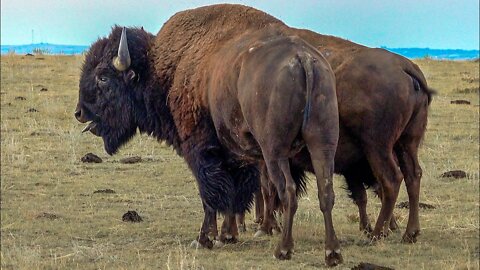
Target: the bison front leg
pixel 393 221
pixel 269 224
pixel 216 187
pixel 229 232
pixel 259 206
pixel 409 164
pixel 240 218
pixel 389 176
pixel 359 196
pixel 209 227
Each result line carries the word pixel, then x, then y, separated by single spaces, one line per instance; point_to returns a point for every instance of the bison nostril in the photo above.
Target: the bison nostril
pixel 78 115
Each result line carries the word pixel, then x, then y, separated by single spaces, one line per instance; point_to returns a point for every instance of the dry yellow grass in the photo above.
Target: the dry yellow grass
pixel 51 218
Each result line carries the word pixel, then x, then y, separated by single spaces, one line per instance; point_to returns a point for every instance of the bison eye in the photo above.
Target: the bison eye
pixel 103 79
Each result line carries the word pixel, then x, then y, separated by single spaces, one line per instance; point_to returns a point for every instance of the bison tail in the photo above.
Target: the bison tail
pixel 419 82
pixel 306 61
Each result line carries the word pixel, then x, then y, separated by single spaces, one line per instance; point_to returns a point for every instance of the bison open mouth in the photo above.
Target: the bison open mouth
pixel 91 127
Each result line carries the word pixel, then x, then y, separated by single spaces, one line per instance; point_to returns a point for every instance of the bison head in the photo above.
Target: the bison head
pixel 110 85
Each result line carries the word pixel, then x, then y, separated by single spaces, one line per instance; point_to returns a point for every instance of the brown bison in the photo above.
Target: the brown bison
pixel 228 90
pixel 383 101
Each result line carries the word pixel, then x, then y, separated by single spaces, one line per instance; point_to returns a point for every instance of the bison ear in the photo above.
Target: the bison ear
pixel 130 76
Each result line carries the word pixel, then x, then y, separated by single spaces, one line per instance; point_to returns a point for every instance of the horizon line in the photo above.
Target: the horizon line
pixel 381 47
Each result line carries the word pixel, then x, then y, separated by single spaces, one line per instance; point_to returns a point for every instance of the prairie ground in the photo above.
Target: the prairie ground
pixel 51 217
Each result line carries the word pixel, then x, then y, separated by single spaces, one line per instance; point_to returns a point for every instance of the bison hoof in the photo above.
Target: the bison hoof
pixel 228 239
pixel 276 231
pixel 195 244
pixel 218 244
pixel 410 238
pixel 283 254
pixel 393 225
pixel 377 236
pixel 333 257
pixel 367 229
pixel 259 233
pixel 201 244
pixel 258 220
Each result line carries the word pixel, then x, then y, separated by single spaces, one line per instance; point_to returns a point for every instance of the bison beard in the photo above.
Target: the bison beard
pixel 224 186
pixel 160 87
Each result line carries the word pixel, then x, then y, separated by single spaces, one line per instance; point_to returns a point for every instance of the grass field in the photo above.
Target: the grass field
pixel 52 219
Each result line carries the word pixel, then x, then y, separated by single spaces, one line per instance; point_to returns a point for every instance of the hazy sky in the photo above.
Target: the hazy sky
pixel 448 24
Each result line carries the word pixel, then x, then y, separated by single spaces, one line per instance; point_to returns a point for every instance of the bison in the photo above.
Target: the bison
pixel 383 101
pixel 228 91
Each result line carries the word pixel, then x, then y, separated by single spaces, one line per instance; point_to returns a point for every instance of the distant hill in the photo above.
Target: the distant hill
pixel 451 54
pixel 45 48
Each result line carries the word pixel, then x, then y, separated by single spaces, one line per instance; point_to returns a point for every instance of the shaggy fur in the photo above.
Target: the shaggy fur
pixel 383 102
pixel 161 95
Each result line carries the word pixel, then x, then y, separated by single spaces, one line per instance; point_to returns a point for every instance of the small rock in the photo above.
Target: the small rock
pixel 455 174
pixel 370 266
pixel 20 98
pixel 426 206
pixel 131 216
pixel 91 158
pixel 32 110
pixel 106 191
pixel 131 160
pixel 460 101
pixel 403 205
pixel 43 89
pixel 48 216
pixel 421 205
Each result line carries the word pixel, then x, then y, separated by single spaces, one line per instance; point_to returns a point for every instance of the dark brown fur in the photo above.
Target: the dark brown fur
pixel 269 96
pixel 383 105
pixel 173 90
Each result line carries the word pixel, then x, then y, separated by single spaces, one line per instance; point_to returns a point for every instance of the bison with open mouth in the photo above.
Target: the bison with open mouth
pixel 229 91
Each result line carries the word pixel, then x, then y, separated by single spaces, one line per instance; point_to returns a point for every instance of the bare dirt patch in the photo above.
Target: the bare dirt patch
pixel 132 216
pixel 91 158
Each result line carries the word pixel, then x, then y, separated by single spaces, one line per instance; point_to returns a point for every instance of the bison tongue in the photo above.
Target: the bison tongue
pixel 89 127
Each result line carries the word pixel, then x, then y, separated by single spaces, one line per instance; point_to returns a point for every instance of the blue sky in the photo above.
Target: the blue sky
pixel 444 24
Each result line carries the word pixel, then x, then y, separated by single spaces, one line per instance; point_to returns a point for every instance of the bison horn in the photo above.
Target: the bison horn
pixel 122 61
